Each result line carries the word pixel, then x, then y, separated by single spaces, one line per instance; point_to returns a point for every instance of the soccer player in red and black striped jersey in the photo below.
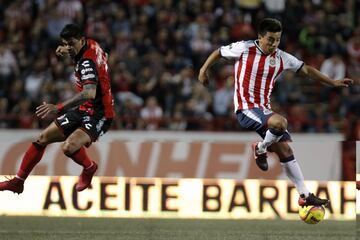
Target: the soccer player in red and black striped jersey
pixel 82 118
pixel 257 65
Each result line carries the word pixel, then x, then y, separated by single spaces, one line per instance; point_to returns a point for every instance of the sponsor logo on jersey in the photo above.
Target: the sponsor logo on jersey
pixel 85 70
pixel 88 76
pixel 86 63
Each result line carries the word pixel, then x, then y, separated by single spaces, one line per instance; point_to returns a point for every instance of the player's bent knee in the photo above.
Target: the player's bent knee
pixel 282 124
pixel 69 148
pixel 42 140
pixel 279 123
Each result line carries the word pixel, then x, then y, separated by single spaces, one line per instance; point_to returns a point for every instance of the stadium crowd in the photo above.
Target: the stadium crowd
pixel 155 48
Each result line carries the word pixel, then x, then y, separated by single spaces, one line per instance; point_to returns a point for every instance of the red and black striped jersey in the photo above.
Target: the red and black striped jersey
pixel 92 68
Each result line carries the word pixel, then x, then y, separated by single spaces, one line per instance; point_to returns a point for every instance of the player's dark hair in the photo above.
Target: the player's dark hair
pixel 269 25
pixel 71 31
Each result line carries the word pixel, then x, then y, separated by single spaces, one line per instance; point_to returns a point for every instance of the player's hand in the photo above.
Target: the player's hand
pixel 45 110
pixel 346 82
pixel 61 51
pixel 203 77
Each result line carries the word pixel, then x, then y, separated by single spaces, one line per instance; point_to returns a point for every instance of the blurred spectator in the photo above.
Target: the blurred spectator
pixel 250 8
pixel 202 99
pixel 200 44
pixel 334 67
pixel 55 22
pixel 5 122
pixel 178 122
pixel 70 10
pixel 129 113
pixel 8 68
pixel 223 98
pixel 241 30
pixel 34 80
pixel 275 8
pixel 193 120
pixel 155 48
pixel 23 109
pixel 151 114
pixel 353 50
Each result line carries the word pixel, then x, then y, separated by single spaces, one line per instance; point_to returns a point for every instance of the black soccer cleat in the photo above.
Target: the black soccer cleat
pixel 260 159
pixel 312 200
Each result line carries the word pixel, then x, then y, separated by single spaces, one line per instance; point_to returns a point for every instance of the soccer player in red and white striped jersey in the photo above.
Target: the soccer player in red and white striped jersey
pixel 257 66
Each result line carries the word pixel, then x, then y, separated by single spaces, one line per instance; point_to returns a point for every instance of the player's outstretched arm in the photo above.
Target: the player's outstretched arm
pixel 313 73
pixel 203 76
pixel 88 93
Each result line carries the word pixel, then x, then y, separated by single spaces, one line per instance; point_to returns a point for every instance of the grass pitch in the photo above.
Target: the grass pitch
pixel 53 228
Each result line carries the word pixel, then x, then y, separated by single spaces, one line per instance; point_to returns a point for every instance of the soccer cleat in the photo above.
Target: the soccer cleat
pixel 261 159
pixel 15 185
pixel 312 200
pixel 86 177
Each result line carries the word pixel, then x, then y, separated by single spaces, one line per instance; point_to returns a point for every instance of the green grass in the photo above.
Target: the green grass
pixel 160 229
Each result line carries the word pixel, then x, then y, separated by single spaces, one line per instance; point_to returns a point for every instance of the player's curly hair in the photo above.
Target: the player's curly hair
pixel 269 25
pixel 71 31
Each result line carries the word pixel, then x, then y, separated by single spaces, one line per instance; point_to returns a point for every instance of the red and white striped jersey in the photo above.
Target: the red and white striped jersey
pixel 256 72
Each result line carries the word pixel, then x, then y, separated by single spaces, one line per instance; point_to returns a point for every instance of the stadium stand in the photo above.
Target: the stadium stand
pixel 155 49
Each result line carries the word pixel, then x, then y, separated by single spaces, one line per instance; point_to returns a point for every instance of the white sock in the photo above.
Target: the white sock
pixel 20 178
pixel 293 171
pixel 269 139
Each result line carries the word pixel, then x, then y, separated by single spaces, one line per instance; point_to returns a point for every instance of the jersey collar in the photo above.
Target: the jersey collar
pixel 81 52
pixel 256 42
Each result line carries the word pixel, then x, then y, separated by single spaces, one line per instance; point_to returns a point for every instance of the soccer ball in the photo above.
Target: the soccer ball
pixel 312 214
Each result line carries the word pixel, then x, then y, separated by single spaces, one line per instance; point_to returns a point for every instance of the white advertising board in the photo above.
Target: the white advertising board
pixel 175 198
pixel 166 154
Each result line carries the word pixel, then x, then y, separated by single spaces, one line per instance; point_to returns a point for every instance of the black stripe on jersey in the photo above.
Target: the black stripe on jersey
pixel 300 67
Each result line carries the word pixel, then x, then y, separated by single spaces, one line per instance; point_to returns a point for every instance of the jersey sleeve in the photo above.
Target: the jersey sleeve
pixel 233 50
pixel 87 72
pixel 291 62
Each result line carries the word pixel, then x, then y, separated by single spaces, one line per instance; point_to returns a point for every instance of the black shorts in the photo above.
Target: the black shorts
pixel 75 119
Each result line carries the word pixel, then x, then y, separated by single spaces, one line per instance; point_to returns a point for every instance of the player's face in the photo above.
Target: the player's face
pixel 73 45
pixel 269 42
